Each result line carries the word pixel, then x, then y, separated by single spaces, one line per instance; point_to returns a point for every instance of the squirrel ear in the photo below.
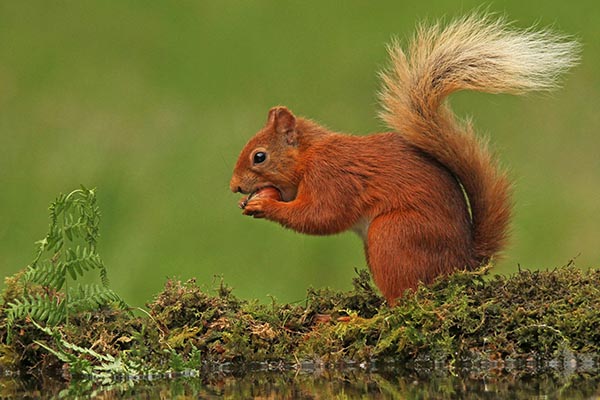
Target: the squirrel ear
pixel 284 123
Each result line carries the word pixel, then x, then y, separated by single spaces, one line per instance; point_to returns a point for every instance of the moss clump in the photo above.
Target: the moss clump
pixel 226 329
pixel 539 313
pixel 107 329
pixel 464 317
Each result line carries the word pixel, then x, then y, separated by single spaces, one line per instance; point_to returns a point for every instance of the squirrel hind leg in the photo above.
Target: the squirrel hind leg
pixel 402 251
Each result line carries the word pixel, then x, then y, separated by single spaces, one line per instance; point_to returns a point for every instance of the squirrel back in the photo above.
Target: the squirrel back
pixel 476 53
pixel 427 199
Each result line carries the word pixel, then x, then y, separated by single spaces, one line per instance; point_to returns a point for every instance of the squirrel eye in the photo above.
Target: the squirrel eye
pixel 259 157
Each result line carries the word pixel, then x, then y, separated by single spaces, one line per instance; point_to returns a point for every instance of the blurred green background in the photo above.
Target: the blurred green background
pixel 151 102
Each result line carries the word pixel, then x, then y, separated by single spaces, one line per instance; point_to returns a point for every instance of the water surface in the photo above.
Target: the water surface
pixel 348 383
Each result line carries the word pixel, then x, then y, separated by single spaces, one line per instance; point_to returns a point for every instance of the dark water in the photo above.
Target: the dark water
pixel 347 384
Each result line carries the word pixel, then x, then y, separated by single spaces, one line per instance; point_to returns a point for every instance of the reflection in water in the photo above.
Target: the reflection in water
pixel 346 384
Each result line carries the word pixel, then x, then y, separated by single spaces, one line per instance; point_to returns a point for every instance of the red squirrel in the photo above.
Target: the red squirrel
pixel 428 198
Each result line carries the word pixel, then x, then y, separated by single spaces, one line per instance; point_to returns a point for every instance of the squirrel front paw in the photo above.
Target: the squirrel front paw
pixel 257 207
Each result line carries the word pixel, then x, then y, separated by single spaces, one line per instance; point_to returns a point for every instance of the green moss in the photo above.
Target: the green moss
pixel 462 318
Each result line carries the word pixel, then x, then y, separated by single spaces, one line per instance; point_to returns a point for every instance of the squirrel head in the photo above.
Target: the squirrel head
pixel 270 157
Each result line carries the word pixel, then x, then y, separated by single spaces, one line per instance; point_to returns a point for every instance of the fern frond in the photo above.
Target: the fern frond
pixel 71 354
pixel 77 364
pixel 46 274
pixel 104 276
pixel 74 224
pixel 61 355
pixel 68 250
pixel 80 260
pixel 85 297
pixel 51 310
pixel 64 344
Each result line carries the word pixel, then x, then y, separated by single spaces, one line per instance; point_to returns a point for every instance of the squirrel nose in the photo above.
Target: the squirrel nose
pixel 234 185
pixel 235 188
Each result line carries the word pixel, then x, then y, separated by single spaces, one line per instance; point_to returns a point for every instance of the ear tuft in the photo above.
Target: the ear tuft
pixel 284 122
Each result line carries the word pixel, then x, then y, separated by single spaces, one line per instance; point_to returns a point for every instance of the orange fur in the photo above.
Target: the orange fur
pixel 404 192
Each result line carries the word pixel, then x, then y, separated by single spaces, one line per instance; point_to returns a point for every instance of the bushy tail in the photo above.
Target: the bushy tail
pixel 477 53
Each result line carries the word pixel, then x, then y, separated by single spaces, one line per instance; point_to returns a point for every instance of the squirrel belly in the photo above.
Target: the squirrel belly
pixel 361 227
pixel 427 199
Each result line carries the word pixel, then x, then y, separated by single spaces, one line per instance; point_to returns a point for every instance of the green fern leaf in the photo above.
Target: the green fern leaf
pixel 67 251
pixel 83 297
pixel 47 309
